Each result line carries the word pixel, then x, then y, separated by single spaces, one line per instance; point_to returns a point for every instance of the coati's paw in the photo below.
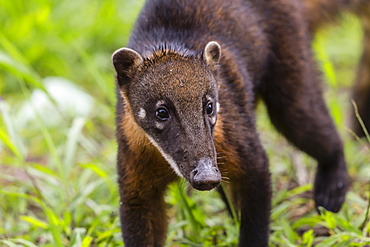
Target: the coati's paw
pixel 330 189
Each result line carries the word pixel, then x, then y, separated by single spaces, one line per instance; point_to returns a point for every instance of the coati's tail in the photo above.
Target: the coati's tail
pixel 321 12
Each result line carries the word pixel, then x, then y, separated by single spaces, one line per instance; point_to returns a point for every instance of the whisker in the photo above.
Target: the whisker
pixel 221 153
pixel 224 171
pixel 221 158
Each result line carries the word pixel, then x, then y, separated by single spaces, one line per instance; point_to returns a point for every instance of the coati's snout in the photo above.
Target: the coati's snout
pixel 205 176
pixel 174 99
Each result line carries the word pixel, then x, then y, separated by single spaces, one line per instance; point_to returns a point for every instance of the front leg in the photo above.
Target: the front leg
pixel 143 180
pixel 294 100
pixel 143 217
pixel 245 163
pixel 252 193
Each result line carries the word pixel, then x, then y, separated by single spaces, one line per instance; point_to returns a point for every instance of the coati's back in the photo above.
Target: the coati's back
pixel 188 25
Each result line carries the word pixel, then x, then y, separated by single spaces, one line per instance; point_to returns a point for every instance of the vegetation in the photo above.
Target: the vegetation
pixel 57 148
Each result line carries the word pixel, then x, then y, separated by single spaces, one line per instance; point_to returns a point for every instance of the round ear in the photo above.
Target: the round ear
pixel 126 62
pixel 212 53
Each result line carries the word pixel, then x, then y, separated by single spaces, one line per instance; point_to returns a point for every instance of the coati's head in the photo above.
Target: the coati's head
pixel 174 99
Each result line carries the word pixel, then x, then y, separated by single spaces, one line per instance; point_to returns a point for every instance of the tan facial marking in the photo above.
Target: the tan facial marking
pixel 142 113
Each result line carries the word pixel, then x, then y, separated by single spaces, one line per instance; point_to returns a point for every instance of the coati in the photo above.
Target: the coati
pixel 187 87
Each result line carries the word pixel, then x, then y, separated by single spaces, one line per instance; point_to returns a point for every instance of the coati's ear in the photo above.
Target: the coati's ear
pixel 126 61
pixel 212 53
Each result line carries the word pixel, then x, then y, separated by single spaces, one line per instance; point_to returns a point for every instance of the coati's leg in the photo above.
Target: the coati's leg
pixel 298 112
pixel 245 163
pixel 251 190
pixel 143 218
pixel 142 206
pixel 296 107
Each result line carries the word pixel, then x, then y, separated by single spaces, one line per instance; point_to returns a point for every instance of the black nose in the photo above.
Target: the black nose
pixel 205 176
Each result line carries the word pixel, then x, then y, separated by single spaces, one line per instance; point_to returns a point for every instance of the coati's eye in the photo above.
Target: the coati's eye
pixel 209 108
pixel 162 114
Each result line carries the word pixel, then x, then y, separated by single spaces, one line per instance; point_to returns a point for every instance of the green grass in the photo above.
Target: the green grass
pixel 57 147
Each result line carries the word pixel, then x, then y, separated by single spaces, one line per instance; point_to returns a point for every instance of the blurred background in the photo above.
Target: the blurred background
pixel 57 142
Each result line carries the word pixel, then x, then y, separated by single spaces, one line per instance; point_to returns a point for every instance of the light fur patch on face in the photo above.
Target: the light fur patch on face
pixel 160 102
pixel 213 120
pixel 159 126
pixel 167 157
pixel 142 113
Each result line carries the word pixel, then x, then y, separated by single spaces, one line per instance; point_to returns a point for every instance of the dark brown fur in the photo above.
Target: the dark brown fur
pixel 171 65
